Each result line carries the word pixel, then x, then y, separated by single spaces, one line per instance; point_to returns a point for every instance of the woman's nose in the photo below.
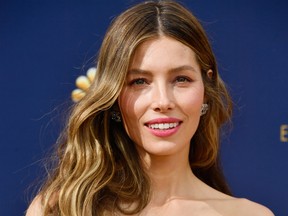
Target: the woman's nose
pixel 163 98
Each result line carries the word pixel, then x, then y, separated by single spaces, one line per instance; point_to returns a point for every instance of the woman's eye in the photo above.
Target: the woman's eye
pixel 139 81
pixel 183 79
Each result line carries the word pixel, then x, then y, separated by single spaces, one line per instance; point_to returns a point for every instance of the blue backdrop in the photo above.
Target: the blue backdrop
pixel 46 44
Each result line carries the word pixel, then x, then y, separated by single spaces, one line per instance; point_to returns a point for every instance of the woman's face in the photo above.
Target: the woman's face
pixel 161 100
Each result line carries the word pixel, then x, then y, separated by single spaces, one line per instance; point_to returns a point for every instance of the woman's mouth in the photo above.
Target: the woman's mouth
pixel 163 126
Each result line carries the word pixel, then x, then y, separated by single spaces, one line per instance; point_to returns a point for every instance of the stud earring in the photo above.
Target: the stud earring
pixel 115 116
pixel 204 109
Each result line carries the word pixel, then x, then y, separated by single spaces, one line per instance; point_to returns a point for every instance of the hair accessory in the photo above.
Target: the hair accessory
pixel 204 109
pixel 115 116
pixel 83 83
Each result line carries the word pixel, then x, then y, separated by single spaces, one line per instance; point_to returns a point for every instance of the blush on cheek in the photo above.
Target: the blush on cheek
pixel 193 102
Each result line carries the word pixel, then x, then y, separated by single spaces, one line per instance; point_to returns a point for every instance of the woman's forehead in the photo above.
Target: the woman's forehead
pixel 163 52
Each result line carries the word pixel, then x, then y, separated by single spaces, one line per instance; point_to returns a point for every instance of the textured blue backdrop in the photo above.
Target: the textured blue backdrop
pixel 46 44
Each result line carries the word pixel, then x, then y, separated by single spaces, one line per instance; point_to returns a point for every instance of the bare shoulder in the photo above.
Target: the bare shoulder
pixel 228 205
pixel 239 207
pixel 35 208
pixel 247 207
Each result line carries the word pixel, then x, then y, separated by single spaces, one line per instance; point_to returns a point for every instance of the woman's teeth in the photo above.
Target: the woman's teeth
pixel 163 126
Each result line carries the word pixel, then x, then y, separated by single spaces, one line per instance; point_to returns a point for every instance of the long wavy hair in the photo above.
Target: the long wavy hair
pixel 98 169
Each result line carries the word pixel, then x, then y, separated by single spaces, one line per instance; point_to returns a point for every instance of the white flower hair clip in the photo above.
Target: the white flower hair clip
pixel 83 83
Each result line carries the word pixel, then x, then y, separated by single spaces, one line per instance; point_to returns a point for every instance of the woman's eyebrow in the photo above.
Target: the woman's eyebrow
pixel 172 70
pixel 182 68
pixel 138 71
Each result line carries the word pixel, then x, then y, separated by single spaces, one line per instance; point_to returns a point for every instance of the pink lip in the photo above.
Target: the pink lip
pixel 166 132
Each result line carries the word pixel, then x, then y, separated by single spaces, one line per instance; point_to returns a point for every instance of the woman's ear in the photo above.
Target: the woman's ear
pixel 210 74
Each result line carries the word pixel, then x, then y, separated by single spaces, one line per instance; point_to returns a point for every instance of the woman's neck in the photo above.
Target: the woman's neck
pixel 170 177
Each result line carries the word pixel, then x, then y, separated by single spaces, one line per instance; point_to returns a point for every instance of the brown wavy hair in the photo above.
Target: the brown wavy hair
pixel 98 170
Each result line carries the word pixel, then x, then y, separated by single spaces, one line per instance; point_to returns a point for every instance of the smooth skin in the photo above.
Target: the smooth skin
pixel 164 85
pixel 164 82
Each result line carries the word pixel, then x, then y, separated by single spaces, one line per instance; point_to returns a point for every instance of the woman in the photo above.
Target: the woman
pixel 145 138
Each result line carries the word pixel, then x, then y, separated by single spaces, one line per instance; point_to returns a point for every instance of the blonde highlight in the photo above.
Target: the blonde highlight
pixel 99 171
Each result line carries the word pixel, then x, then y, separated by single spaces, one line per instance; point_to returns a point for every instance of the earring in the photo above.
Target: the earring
pixel 115 116
pixel 204 109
